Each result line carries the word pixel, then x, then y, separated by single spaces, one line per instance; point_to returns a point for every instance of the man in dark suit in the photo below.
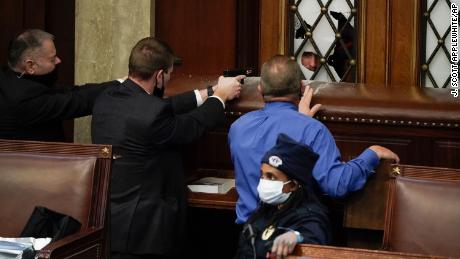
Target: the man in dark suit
pixel 148 188
pixel 30 108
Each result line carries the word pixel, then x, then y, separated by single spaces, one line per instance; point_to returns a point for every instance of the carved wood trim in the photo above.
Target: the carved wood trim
pixel 403 43
pixel 317 251
pixel 394 122
pixel 273 29
pixel 416 41
pixel 373 47
pixel 389 44
pixel 247 34
pixel 99 151
pixel 361 41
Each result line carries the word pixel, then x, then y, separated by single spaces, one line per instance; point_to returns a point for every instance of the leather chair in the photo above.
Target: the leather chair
pixel 423 211
pixel 71 179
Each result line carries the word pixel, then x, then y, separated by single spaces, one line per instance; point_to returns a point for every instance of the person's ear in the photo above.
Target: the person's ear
pixel 293 186
pixel 159 75
pixel 30 66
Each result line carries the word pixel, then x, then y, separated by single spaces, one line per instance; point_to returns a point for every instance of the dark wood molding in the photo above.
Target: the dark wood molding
pixel 389 46
pixel 247 54
pixel 38 147
pixel 372 57
pixel 403 41
pixel 273 35
pixel 317 251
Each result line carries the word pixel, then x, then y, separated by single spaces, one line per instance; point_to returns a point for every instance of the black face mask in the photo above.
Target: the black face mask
pixel 48 79
pixel 159 92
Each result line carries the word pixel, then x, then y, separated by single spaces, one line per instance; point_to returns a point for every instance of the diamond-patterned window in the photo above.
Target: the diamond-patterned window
pixel 324 38
pixel 436 38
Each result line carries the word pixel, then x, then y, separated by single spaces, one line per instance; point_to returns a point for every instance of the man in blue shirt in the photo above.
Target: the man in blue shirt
pixel 254 133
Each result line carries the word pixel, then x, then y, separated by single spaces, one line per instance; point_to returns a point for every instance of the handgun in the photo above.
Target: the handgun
pixel 237 72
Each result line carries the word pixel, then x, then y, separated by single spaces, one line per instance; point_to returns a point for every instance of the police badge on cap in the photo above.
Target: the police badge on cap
pixel 275 161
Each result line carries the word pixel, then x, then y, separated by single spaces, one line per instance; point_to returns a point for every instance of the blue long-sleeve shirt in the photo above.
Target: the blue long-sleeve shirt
pixel 255 133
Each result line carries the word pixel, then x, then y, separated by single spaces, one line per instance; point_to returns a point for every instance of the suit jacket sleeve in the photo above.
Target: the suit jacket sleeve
pixel 170 128
pixel 182 103
pixel 46 104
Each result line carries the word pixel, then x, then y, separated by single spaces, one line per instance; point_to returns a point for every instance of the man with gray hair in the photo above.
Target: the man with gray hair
pixel 255 133
pixel 30 108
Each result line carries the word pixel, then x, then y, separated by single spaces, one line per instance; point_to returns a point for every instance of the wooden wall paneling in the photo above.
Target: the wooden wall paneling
pixel 60 21
pixel 201 32
pixel 389 42
pixel 373 58
pixel 34 14
pixel 210 151
pixel 247 34
pixel 352 146
pixel 446 153
pixel 273 35
pixel 415 146
pixel 422 152
pixel 404 43
pixel 11 14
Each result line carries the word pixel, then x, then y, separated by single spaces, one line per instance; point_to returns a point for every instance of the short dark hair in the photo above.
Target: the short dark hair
pixel 149 55
pixel 308 54
pixel 280 76
pixel 25 43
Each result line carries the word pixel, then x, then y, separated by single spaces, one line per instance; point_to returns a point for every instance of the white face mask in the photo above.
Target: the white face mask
pixel 271 192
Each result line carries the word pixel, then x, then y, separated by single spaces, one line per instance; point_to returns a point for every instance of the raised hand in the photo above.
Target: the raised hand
pixel 304 104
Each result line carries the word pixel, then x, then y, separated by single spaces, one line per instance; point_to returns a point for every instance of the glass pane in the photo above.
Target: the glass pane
pixel 324 39
pixel 436 45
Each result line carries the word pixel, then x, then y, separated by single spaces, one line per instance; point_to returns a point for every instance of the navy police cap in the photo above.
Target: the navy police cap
pixel 294 159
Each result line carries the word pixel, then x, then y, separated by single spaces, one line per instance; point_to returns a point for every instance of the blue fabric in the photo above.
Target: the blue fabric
pixel 256 132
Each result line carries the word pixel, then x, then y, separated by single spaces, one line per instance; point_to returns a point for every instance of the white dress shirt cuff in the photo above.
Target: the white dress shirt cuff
pixel 199 100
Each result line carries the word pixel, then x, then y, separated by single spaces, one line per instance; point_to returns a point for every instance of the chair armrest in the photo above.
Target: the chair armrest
pixel 83 244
